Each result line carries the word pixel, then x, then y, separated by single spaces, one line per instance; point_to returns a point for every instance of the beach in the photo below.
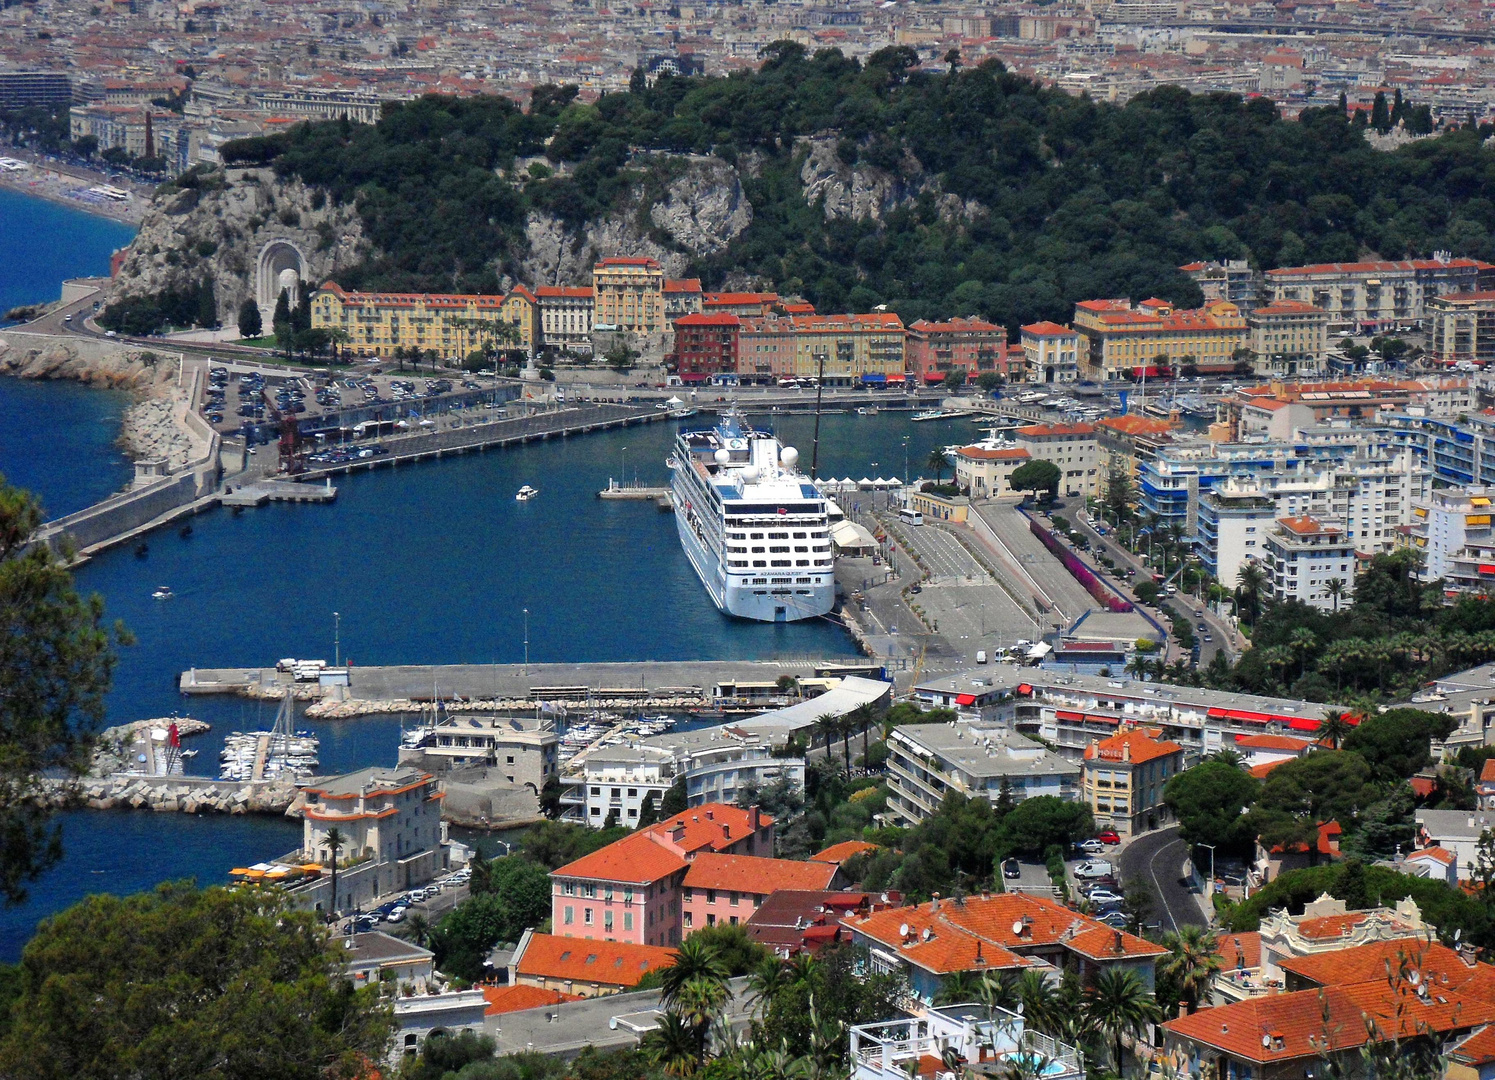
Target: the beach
pixel 64 184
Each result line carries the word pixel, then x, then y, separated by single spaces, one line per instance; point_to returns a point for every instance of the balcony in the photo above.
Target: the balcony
pixel 892 1049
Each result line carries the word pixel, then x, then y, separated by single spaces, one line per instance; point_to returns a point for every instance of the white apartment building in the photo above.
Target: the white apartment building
pixel 1051 353
pixel 1448 521
pixel 928 761
pixel 1304 558
pixel 565 317
pixel 524 751
pixel 1072 447
pixel 617 781
pixel 1234 519
pixel 724 771
pixel 1377 295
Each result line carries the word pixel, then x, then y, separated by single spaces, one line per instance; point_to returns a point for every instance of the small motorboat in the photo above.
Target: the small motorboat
pixel 185 531
pixel 526 493
pixel 163 592
pixel 142 550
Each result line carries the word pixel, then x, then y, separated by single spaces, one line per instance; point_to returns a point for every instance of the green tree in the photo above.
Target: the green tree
pixel 56 663
pixel 1044 820
pixel 1117 1004
pixel 694 959
pixel 1297 796
pixel 1335 726
pixel 674 801
pixel 1119 492
pixel 1396 744
pixel 1208 801
pixel 335 842
pixel 1192 963
pixel 250 323
pixel 1037 476
pixel 213 983
pixel 938 462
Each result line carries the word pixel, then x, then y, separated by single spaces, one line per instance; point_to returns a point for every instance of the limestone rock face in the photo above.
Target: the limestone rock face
pixel 97 363
pixel 858 192
pixel 701 209
pixel 231 229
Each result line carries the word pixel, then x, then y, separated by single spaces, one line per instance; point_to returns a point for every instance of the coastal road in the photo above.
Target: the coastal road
pixel 1157 859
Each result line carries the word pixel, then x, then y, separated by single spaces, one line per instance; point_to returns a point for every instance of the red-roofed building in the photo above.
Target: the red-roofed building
pixel 1373 296
pixel 1124 777
pixel 565 318
pixel 582 967
pixel 972 346
pixel 682 297
pixel 631 890
pixel 793 921
pixel 985 469
pixel 628 294
pixel 451 325
pixel 705 345
pixel 729 888
pixel 1002 933
pixel 1072 447
pixel 507 999
pixel 1485 787
pixel 1051 353
pixel 750 304
pixel 846 849
pixel 1303 556
pixel 1153 338
pixel 1275 749
pixel 1288 338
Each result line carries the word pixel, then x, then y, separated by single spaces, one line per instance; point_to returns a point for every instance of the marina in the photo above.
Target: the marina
pixel 282 753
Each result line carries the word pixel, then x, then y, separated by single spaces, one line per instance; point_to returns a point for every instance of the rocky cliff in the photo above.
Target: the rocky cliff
pixel 862 191
pixel 97 363
pixel 220 228
pixel 695 207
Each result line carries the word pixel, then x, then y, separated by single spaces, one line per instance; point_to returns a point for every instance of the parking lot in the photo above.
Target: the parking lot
pixel 430 901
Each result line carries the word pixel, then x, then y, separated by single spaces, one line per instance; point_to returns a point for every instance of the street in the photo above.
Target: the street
pixel 1156 859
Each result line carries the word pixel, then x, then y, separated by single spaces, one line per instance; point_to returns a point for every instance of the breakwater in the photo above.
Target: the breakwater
pixel 177 794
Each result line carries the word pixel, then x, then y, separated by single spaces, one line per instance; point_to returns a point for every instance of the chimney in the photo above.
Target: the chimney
pixel 985 893
pixel 754 818
pixel 1117 945
pixel 934 903
pixel 1183 1009
pixel 710 815
pixel 726 831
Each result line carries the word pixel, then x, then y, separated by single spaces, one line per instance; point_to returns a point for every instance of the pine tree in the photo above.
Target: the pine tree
pixel 1344 102
pixel 282 315
pixel 250 322
pixel 1397 106
pixel 301 320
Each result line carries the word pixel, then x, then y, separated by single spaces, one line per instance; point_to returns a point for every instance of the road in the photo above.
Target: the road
pixel 1221 634
pixel 1157 858
pixel 1047 571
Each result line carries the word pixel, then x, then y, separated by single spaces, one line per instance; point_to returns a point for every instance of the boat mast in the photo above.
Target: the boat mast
pixel 815 446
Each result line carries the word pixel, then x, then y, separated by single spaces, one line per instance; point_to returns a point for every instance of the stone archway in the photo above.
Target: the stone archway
pixel 276 257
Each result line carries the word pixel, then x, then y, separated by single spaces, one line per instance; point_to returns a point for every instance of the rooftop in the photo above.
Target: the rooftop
pixel 753 874
pixel 614 963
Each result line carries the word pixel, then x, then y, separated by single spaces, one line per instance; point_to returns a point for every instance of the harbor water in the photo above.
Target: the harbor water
pixel 432 563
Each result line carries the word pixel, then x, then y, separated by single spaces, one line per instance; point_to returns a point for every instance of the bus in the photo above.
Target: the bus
pixel 910 517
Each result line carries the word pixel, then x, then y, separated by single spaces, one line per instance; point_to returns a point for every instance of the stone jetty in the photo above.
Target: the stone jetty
pixel 178 794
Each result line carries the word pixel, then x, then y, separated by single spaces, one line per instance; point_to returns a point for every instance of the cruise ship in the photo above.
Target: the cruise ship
pixel 753 525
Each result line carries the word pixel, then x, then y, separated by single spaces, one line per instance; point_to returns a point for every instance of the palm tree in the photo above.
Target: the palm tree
pixel 1230 757
pixel 938 463
pixel 1116 1005
pixel 995 993
pixel 700 1001
pixel 828 726
pixel 1193 960
pixel 417 929
pixel 766 981
pixel 674 1046
pixel 1302 641
pixel 1039 1001
pixel 1335 588
pixel 1249 584
pixel 335 842
pixel 864 719
pixel 694 959
pixel 959 988
pixel 1334 727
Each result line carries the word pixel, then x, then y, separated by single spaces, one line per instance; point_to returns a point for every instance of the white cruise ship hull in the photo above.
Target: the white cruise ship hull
pixel 771 603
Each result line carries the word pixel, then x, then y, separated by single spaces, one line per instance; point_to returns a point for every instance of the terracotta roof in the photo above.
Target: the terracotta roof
pixel 982 453
pixel 1239 950
pixel 580 293
pixel 714 825
pixel 683 285
pixel 1307 526
pixel 1104 943
pixel 1289 1021
pixel 506 999
pixel 1048 329
pixel 723 299
pixel 1287 307
pixel 751 874
pixel 1260 771
pixel 636 859
pixel 1436 854
pixel 1373 961
pixel 614 963
pixel 629 260
pixel 1038 431
pixel 1273 742
pixel 839 853
pixel 1478 1049
pixel 1487 771
pixel 1375 267
pixel 1137 745
pixel 1136 424
pixel 956 326
pixel 711 319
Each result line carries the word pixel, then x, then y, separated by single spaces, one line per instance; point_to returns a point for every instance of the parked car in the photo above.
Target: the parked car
pixel 1093 846
pixel 1012 869
pixel 1094 868
pixel 1114 919
pixel 1103 896
pixel 1108 836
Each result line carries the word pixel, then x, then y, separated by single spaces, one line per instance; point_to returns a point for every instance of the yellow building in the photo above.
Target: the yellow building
pixel 628 294
pixel 853 346
pixel 453 325
pixel 1121 340
pixel 1289 338
pixel 1124 777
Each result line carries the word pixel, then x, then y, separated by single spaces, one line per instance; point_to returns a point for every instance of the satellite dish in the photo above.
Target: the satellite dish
pixel 789 455
pixel 1456 934
pixel 1017 928
pixel 1414 977
pixel 723 456
pixel 903 930
pixel 750 474
pixel 926 935
pixel 1266 1042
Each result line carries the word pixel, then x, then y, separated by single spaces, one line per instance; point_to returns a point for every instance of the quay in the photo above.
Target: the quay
pixel 260 492
pixel 465 437
pixel 660 496
pixel 708 686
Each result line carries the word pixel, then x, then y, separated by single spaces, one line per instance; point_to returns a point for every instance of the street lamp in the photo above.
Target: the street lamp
pixel 337 634
pixel 526 641
pixel 623 467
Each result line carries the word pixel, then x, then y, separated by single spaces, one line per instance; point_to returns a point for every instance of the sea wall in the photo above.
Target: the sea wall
pixel 180 794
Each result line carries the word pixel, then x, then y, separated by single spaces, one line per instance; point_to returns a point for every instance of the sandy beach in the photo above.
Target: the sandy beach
pixel 64 183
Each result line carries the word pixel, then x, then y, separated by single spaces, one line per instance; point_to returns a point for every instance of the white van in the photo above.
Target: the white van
pixel 910 517
pixel 980 656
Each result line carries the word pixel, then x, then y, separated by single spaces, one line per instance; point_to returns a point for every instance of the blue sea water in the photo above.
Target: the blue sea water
pixel 43 244
pixel 433 563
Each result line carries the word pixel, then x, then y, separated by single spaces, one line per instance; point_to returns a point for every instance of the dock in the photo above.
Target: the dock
pixel 694 686
pixel 260 492
pixel 662 497
pixel 478 436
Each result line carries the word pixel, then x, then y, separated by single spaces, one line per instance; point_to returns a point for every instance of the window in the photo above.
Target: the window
pixel 710 920
pixel 570 915
pixel 568 888
pixel 627 920
pixel 710 896
pixel 586 916
pixel 607 921
pixel 689 919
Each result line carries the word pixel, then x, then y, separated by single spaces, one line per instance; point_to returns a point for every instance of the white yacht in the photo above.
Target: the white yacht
pixel 526 493
pixel 753 526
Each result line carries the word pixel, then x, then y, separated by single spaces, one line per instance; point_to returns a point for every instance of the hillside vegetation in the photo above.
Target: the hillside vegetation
pixel 1013 201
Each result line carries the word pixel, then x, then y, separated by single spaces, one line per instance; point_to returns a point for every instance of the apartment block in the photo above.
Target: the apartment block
pixel 1124 778
pixel 1234 519
pixel 1278 410
pixel 1288 338
pixel 1125 441
pixel 731 888
pixel 1305 557
pixel 1461 328
pixel 927 762
pixel 1448 521
pixel 34 89
pixel 1375 296
pixel 1051 353
pixel 1072 447
pixel 1232 280
pixel 985 470
pixel 706 345
pixel 615 784
pixel 453 325
pixel 565 318
pixel 972 346
pixel 628 294
pixel 1123 341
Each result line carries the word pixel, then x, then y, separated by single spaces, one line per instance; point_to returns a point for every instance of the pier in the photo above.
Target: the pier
pixel 696 686
pixel 260 492
pixel 660 496
pixel 479 435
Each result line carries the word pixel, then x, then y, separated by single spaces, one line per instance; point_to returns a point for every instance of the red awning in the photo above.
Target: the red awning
pixel 1024 689
pixel 895 378
pixel 1486 568
pixel 1299 723
pixel 1247 715
pixel 965 699
pixel 1150 372
pixel 1072 717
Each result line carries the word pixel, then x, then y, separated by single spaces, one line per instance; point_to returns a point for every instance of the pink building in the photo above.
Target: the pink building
pixel 631 890
pixel 729 888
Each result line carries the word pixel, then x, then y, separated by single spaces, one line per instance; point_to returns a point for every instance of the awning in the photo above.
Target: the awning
pixel 1312 723
pixel 1298 723
pixel 965 699
pixel 1024 689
